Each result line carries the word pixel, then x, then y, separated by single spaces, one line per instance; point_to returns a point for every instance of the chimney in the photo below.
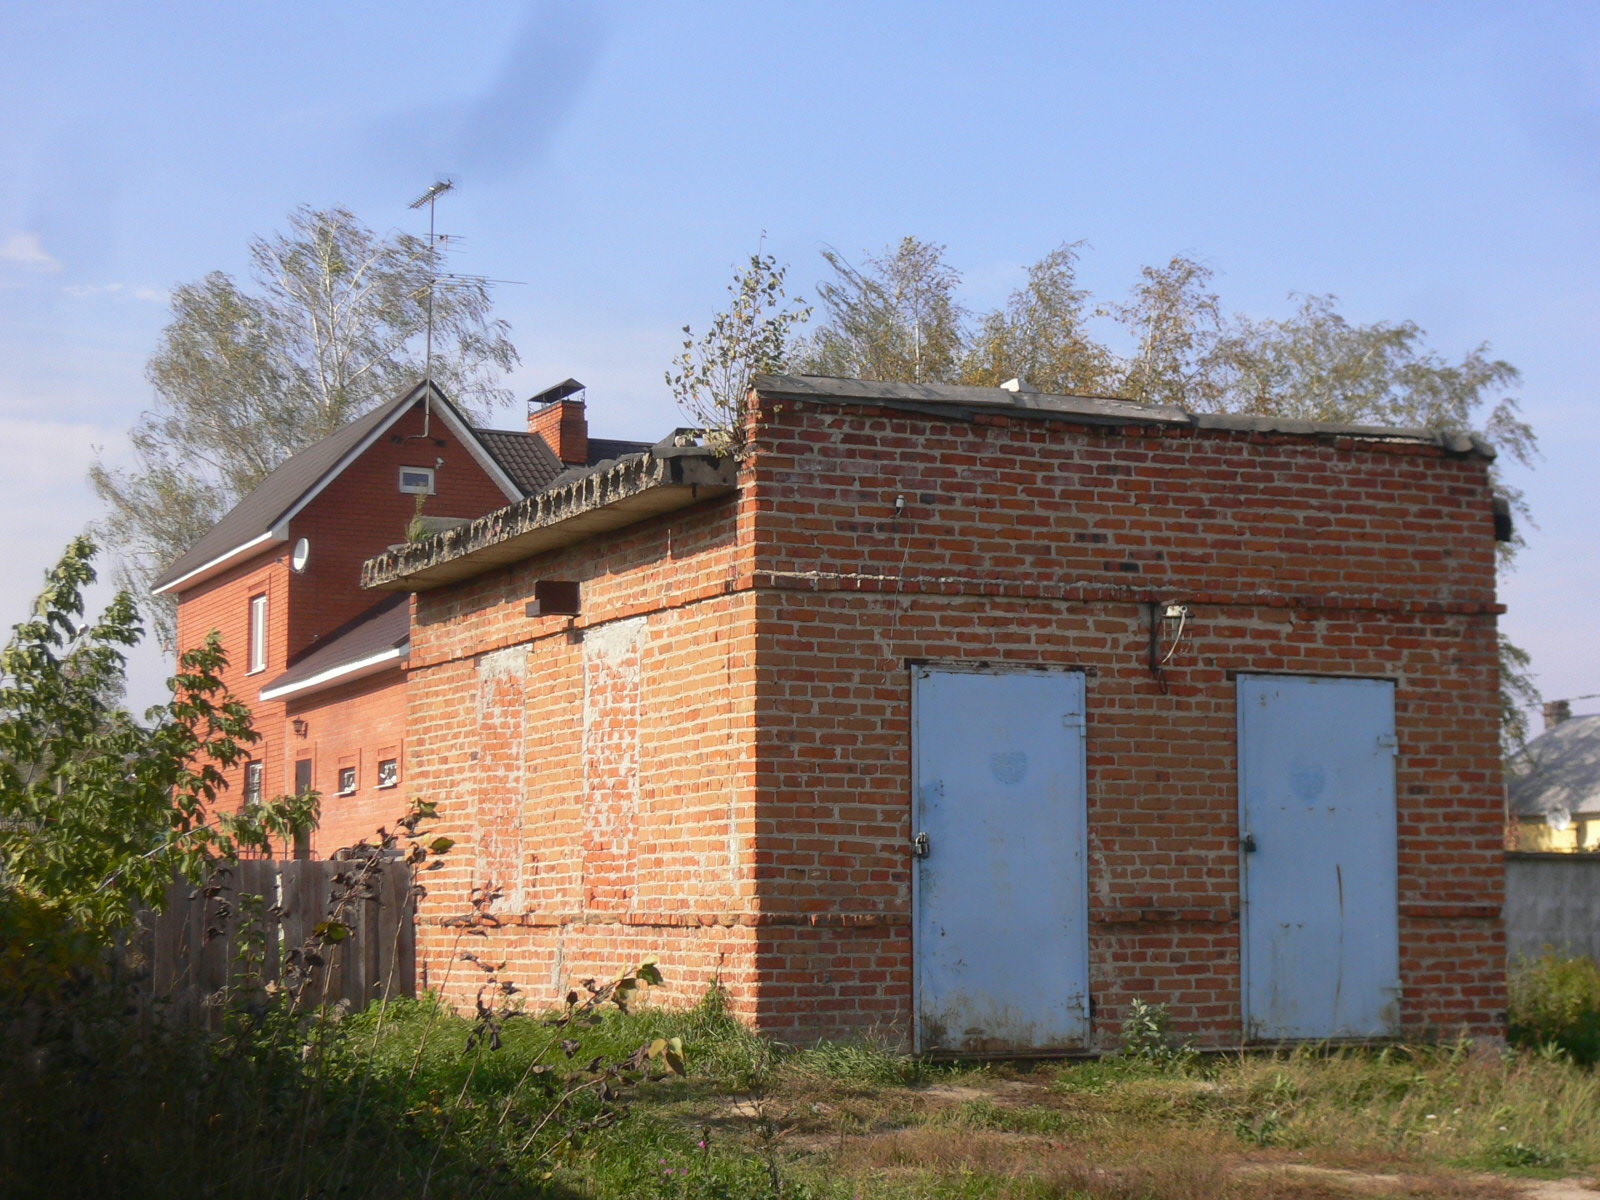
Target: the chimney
pixel 556 415
pixel 1556 711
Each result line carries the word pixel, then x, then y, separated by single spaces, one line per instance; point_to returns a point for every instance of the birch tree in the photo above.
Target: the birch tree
pixel 244 378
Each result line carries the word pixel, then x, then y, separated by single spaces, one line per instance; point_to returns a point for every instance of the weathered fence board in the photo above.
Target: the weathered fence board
pixel 1552 900
pixel 194 944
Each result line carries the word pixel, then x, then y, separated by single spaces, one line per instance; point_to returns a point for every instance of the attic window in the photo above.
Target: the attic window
pixel 418 481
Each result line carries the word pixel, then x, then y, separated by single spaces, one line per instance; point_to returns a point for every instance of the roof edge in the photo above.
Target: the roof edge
pixel 620 493
pixel 373 664
pixel 245 550
pixel 965 402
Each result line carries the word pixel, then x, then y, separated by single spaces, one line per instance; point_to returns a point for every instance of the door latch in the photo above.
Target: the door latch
pixel 1249 843
pixel 919 846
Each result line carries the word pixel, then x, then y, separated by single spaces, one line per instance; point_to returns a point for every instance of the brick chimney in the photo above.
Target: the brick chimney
pixel 556 415
pixel 1556 711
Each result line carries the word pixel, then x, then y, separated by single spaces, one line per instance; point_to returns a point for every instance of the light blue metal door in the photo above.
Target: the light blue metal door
pixel 1319 857
pixel 1000 892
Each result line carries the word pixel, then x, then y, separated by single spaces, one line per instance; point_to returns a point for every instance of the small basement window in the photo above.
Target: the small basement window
pixel 389 773
pixel 347 780
pixel 417 480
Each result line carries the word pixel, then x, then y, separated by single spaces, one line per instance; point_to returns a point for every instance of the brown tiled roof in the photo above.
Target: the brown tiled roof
pixel 524 456
pixel 384 626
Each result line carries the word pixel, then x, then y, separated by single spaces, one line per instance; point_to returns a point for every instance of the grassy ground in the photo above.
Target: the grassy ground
pixel 851 1121
pixel 396 1102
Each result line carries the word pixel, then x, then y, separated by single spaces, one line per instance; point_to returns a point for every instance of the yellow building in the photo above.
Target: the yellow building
pixel 1555 787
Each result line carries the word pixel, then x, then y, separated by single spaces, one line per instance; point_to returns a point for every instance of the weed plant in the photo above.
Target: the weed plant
pixel 1554 1001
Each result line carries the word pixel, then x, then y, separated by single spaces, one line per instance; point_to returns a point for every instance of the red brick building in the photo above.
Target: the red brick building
pixel 318 661
pixel 970 715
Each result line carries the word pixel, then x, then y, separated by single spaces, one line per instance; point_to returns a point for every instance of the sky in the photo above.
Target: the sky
pixel 1433 162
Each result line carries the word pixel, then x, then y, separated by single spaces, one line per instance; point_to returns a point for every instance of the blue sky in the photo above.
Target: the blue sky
pixel 1431 161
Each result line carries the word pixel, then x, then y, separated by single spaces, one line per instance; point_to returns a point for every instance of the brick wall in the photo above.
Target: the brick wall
pixel 223 604
pixel 356 725
pixel 592 770
pixel 715 757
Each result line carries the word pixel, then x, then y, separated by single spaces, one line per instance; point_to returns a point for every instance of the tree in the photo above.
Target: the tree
pixel 243 380
pixel 1041 335
pixel 1175 322
pixel 897 318
pixel 711 377
pixel 98 811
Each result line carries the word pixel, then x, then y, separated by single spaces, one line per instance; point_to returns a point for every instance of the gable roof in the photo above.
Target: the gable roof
pixel 1563 776
pixel 372 642
pixel 262 516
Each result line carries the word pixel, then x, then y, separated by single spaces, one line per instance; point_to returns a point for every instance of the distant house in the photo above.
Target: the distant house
pixel 1555 790
pixel 319 661
pixel 970 715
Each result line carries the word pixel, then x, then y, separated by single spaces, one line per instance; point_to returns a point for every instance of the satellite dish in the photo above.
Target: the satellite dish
pixel 301 555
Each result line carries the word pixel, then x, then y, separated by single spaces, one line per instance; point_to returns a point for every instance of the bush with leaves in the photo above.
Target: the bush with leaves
pixel 711 378
pixel 1554 1001
pixel 98 811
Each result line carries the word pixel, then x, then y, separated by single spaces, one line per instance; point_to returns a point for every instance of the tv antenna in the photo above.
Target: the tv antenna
pixel 429 197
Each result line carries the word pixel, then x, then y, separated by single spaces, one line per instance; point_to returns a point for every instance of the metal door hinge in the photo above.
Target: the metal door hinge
pixel 1072 720
pixel 919 846
pixel 1388 741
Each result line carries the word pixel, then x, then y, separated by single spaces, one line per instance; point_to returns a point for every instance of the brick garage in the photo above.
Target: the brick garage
pixel 713 761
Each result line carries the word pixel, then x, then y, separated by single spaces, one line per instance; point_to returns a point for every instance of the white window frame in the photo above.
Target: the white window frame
pixel 258 633
pixel 355 781
pixel 395 782
pixel 412 489
pixel 254 788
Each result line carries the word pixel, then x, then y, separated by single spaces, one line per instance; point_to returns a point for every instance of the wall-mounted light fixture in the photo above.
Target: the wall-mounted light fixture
pixel 1168 622
pixel 301 726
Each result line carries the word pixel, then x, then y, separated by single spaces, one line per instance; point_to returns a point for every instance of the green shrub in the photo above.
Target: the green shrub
pixel 1555 1001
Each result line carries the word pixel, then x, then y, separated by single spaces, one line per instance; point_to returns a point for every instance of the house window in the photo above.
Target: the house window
pixel 258 633
pixel 417 480
pixel 388 772
pixel 347 780
pixel 252 782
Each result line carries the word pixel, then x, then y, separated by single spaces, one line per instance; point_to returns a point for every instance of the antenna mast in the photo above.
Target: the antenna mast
pixel 429 197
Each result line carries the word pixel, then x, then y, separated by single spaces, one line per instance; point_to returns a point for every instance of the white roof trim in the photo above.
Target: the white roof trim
pixel 446 412
pixel 278 533
pixel 343 673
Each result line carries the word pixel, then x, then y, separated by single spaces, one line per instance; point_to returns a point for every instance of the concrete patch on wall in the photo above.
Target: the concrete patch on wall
pixel 611 711
pixel 502 774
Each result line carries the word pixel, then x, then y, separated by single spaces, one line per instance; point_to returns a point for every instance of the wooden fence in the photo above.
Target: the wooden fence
pixel 192 949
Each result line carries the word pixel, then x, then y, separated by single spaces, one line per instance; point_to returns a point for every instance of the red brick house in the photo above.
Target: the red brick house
pixel 969 715
pixel 320 664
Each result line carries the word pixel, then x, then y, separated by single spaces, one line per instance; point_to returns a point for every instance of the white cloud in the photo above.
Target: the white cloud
pixel 82 290
pixel 26 250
